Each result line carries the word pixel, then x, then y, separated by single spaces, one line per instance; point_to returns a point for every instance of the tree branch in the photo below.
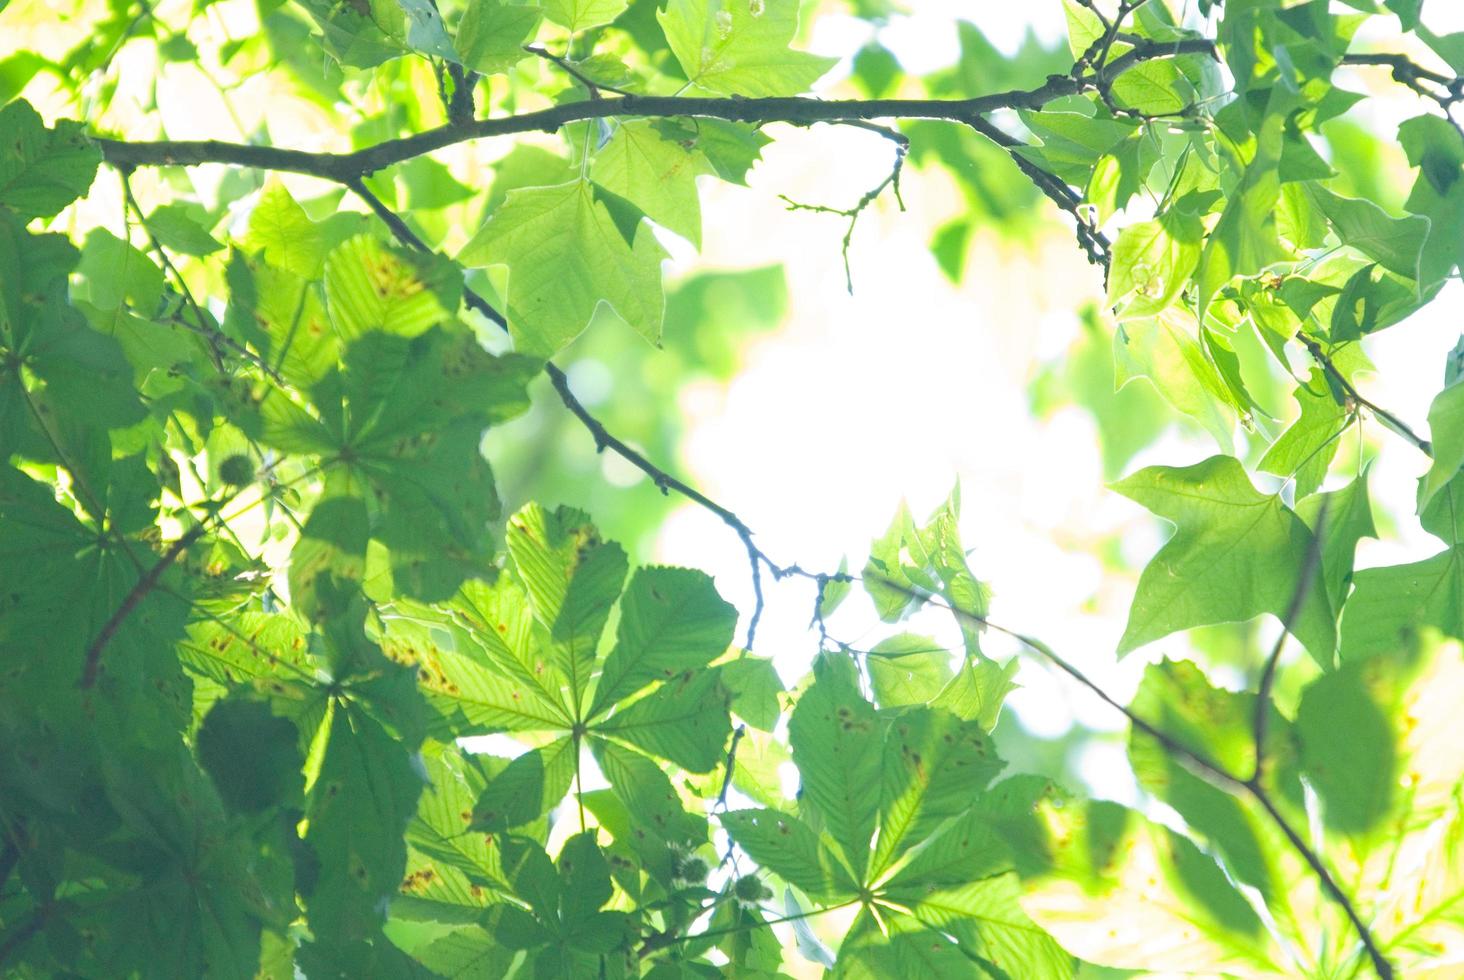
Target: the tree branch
pixel 138 592
pixel 1386 417
pixel 796 110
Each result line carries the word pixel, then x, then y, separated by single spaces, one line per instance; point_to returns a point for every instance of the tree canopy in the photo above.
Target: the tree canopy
pixel 273 274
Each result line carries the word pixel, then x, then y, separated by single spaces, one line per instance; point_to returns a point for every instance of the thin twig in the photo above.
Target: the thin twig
pixel 569 68
pixel 731 766
pixel 1094 243
pixel 138 592
pixel 902 147
pixel 1386 417
pixel 216 338
pixel 1262 710
pixel 604 439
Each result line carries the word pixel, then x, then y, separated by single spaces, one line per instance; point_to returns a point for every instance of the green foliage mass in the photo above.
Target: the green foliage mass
pixel 263 602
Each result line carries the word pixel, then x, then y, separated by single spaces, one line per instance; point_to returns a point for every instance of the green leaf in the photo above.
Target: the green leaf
pixel 1151 265
pixel 1153 88
pixel 984 915
pixel 405 418
pixel 370 286
pixel 1306 448
pixel 577 15
pixel 252 755
pixel 467 874
pixel 1446 427
pixel 656 174
pixel 424 31
pixel 837 743
pixel 1120 891
pixel 909 562
pixel 684 720
pixel 671 620
pixel 1178 699
pixel 329 561
pixel 1394 243
pixel 933 763
pixel 42 170
pixel 964 849
pixel 475 688
pixel 731 149
pixel 550 303
pixel 908 669
pixel 1164 350
pixel 573 578
pixel 1244 241
pixel 116 273
pixel 280 228
pixel 655 823
pixel 174 226
pixel 1356 776
pixel 788 848
pixel 1348 520
pixel 528 788
pixel 740 48
pixel 1236 553
pixel 1437 150
pixel 1391 604
pixel 977 690
pixel 366 790
pixel 492 34
pixel 755 687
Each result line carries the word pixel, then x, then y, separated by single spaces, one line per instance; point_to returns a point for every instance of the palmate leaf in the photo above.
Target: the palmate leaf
pixel 492 34
pixel 837 742
pixel 1245 239
pixel 78 373
pixel 934 763
pixel 671 620
pixel 286 236
pixel 471 688
pixel 1305 449
pixel 987 920
pixel 1236 553
pixel 528 787
pixel 190 900
pixel 910 949
pixel 399 426
pixel 1118 890
pixel 359 803
pixel 787 847
pixel 568 933
pixel 1164 349
pixel 1180 700
pixel 740 48
pixel 650 818
pixel 576 15
pixel 573 579
pixel 370 286
pixel 1391 605
pixel 42 170
pixel 909 561
pixel 655 173
pixel 684 720
pixel 1446 426
pixel 565 257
